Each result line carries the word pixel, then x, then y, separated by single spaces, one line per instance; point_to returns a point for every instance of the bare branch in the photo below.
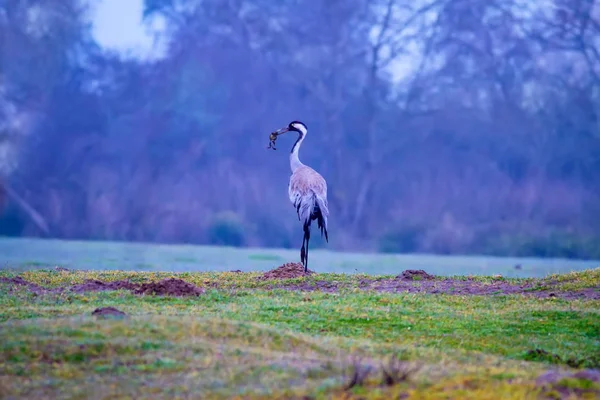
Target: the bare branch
pixel 35 217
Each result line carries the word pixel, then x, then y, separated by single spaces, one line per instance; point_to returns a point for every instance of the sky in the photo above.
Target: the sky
pixel 118 26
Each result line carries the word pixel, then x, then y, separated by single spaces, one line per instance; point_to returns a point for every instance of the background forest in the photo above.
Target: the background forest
pixel 441 126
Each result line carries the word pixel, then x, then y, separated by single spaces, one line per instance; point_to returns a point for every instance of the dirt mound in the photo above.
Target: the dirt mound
pixel 415 275
pixel 287 271
pixel 169 287
pixel 108 312
pixel 19 281
pixel 166 287
pixel 93 285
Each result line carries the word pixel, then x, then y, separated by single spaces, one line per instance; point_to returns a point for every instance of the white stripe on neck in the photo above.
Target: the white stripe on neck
pixel 295 162
pixel 301 128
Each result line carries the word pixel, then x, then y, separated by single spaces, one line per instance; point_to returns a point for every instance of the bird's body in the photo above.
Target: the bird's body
pixel 307 191
pixel 308 194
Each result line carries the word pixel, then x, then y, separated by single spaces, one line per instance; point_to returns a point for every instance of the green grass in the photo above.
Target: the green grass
pixel 245 339
pixel 36 253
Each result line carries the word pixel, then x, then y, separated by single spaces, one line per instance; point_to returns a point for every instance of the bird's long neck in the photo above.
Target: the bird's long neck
pixel 295 162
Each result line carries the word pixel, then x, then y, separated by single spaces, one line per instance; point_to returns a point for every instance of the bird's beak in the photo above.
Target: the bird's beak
pixel 282 130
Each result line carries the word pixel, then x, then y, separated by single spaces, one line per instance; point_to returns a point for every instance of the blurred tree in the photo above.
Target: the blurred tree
pixel 442 126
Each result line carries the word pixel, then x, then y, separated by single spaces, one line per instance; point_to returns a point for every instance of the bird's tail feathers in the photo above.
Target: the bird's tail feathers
pixel 313 207
pixel 321 214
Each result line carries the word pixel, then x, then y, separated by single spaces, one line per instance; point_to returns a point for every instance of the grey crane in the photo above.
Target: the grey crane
pixel 307 190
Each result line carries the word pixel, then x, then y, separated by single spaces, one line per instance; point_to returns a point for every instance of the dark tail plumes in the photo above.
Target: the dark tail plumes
pixel 321 224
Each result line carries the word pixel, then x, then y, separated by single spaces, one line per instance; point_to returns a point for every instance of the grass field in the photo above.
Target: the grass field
pixel 35 254
pixel 326 335
pixel 246 337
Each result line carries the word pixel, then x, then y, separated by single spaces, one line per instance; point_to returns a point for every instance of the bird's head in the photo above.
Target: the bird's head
pixel 294 126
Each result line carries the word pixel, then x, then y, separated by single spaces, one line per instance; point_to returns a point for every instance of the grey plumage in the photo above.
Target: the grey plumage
pixel 307 191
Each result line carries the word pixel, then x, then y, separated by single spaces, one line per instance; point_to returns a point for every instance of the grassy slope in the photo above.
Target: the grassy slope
pixel 296 343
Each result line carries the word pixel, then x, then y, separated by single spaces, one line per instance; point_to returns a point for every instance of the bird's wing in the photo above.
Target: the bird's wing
pixel 304 181
pixel 306 189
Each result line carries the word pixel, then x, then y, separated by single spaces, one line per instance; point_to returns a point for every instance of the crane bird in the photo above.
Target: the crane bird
pixel 307 190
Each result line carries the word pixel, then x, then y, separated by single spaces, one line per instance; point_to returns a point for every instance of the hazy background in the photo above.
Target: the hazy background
pixel 449 127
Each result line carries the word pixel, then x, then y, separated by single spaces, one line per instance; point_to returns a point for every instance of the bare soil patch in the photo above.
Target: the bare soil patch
pixel 411 281
pixel 165 287
pixel 321 286
pixel 169 287
pixel 108 312
pixel 472 287
pixel 419 281
pixel 582 383
pixel 93 285
pixel 19 281
pixel 286 271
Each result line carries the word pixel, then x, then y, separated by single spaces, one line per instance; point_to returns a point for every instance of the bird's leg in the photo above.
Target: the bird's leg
pixel 302 251
pixel 307 236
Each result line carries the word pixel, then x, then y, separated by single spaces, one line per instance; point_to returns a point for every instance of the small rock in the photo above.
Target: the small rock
pixel 108 312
